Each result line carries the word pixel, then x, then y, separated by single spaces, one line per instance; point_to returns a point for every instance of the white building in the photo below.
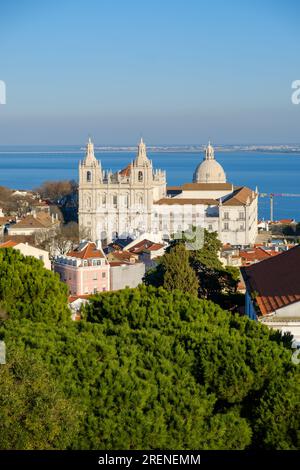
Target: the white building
pixel 40 223
pixel 136 200
pixel 29 250
pixel 114 204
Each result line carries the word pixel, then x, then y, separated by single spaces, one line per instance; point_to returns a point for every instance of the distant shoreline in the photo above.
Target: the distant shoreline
pixel 56 149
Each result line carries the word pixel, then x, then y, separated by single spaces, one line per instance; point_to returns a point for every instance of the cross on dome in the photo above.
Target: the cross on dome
pixel 209 152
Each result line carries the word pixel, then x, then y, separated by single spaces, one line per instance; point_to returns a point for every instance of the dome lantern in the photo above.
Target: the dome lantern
pixel 209 170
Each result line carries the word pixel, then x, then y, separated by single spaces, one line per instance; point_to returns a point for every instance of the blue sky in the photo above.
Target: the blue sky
pixel 175 71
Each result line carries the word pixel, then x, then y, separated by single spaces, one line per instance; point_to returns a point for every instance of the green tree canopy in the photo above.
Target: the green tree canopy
pixel 34 412
pixel 29 290
pixel 157 369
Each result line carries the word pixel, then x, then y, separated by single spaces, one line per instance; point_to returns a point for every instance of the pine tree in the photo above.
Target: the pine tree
pixel 178 273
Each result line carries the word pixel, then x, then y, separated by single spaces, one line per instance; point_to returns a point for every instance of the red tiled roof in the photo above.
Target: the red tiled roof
pixel 155 247
pixel 87 251
pixel 8 244
pixel 121 255
pixel 41 220
pixel 126 171
pixel 206 186
pixel 174 188
pixel 286 221
pixel 120 263
pixel 256 254
pixel 170 201
pixel 4 220
pixel 240 196
pixel 23 239
pixel 72 298
pixel 145 245
pixel 276 280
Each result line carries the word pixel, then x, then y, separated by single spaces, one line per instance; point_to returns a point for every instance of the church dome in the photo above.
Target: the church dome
pixel 209 170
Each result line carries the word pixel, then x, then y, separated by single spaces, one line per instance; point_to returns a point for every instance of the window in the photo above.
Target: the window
pixel 103 200
pixel 140 176
pixel 95 277
pixel 241 215
pixel 41 257
pixel 88 176
pixel 115 200
pixel 98 262
pixel 226 226
pixel 103 275
pixel 210 227
pixel 95 290
pixel 226 215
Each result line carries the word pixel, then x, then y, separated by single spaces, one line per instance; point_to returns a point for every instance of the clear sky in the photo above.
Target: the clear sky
pixel 177 72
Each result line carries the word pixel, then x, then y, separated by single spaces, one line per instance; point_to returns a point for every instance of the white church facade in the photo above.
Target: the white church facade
pixel 136 200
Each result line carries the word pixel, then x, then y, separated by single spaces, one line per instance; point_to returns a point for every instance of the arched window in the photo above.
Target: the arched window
pixel 140 176
pixel 88 176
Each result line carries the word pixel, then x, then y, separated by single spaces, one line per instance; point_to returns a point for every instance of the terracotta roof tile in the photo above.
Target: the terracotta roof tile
pixel 206 186
pixel 170 201
pixel 286 221
pixel 145 245
pixel 41 220
pixel 275 280
pixel 122 256
pixel 4 220
pixel 240 196
pixel 256 254
pixel 8 244
pixel 86 250
pixel 72 298
pixel 126 171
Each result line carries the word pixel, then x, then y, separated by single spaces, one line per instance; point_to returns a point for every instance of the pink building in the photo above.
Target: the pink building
pixel 85 270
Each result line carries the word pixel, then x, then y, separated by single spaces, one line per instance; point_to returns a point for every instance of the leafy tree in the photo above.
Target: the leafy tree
pixel 178 273
pixel 214 281
pixel 29 290
pixel 34 412
pixel 208 255
pixel 56 190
